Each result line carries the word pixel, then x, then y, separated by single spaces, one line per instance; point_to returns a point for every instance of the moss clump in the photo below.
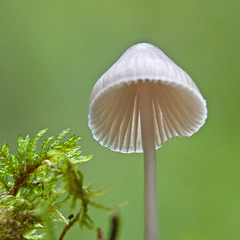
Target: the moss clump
pixel 37 181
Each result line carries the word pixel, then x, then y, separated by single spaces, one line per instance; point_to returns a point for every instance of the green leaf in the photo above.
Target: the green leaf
pixel 31 152
pixel 22 146
pixel 57 141
pixel 37 182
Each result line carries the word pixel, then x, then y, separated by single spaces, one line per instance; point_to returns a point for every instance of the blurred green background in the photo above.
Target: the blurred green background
pixel 52 53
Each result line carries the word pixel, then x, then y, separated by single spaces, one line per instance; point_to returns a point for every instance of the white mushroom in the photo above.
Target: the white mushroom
pixel 143 100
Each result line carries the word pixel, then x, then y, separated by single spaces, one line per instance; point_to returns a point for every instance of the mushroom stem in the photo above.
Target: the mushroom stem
pixel 148 143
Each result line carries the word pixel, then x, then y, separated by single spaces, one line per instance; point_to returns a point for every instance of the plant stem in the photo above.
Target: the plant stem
pixel 67 227
pixel 147 130
pixel 21 179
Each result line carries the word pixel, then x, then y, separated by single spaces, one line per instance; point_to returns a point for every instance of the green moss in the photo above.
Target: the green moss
pixel 37 181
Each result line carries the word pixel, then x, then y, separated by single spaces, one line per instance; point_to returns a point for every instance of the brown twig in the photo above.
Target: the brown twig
pixel 69 226
pixel 21 180
pixel 115 228
pixel 99 234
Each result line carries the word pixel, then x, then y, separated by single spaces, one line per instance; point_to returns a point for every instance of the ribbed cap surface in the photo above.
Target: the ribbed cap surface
pixel 178 106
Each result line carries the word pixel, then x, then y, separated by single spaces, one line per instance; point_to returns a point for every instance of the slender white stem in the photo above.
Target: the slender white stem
pixel 150 198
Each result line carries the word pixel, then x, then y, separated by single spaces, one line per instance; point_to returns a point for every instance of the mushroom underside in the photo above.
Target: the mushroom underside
pixel 115 116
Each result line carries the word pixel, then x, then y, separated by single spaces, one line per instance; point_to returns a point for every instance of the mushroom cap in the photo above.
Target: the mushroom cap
pixel 178 106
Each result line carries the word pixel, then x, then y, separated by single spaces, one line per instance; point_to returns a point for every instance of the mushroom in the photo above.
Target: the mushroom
pixel 143 100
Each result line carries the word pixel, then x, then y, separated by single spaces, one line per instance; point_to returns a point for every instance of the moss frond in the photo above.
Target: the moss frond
pixel 37 181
